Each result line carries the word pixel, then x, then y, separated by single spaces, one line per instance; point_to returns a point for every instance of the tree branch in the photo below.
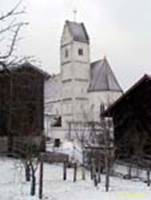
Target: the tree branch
pixel 12 11
pixel 13 41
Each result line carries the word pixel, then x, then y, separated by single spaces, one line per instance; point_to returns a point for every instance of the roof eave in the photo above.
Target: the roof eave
pixel 109 110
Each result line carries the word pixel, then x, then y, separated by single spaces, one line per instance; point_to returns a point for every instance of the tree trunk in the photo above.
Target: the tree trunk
pixel 33 182
pixel 27 172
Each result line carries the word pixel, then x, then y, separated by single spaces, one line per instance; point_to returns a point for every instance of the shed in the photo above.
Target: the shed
pixel 131 115
pixel 22 101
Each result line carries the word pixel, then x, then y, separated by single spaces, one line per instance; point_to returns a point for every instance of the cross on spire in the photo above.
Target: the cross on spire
pixel 75 14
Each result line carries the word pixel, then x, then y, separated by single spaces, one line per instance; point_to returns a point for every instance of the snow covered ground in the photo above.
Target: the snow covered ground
pixel 13 186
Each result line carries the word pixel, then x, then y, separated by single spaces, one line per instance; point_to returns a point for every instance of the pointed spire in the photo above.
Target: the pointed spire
pixel 78 31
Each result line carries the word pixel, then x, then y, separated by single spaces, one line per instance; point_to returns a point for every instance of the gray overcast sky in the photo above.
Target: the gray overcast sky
pixel 119 29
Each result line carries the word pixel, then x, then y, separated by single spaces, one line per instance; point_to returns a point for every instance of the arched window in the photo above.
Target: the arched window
pixel 80 52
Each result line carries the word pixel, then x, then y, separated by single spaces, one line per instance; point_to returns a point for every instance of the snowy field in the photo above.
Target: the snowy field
pixel 14 187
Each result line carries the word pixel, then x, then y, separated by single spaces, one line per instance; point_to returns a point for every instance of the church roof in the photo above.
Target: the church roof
pixel 102 77
pixel 53 88
pixel 78 31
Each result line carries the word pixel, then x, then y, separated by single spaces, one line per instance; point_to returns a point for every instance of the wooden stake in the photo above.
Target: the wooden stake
pixel 107 176
pixel 99 171
pixel 148 177
pixel 95 180
pixel 130 171
pixel 41 179
pixel 75 172
pixel 83 165
pixel 107 159
pixel 64 171
pixel 83 172
pixel 91 170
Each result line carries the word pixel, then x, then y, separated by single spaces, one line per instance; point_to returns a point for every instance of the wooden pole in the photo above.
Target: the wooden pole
pixel 41 179
pixel 130 171
pixel 83 165
pixel 94 174
pixel 64 171
pixel 107 175
pixel 75 172
pixel 83 173
pixel 99 171
pixel 91 170
pixel 95 180
pixel 10 137
pixel 148 177
pixel 106 135
pixel 27 171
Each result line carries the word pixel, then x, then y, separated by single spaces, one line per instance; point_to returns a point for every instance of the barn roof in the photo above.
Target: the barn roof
pixel 137 86
pixel 78 31
pixel 102 77
pixel 27 65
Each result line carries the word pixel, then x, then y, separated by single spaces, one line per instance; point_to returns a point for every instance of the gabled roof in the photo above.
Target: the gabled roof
pixel 102 77
pixel 127 94
pixel 78 31
pixel 26 65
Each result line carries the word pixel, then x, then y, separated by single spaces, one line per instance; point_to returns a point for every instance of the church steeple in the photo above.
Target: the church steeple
pixel 75 67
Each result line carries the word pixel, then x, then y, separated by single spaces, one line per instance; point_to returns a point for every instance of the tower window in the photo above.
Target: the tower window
pixel 66 53
pixel 80 52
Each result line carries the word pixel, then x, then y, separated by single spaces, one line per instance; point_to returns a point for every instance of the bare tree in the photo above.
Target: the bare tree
pixel 30 158
pixel 11 23
pixel 84 132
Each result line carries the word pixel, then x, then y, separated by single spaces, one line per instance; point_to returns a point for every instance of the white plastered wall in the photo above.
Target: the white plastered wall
pixel 98 98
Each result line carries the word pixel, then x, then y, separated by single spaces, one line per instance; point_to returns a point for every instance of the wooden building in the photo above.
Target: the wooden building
pixel 22 101
pixel 131 115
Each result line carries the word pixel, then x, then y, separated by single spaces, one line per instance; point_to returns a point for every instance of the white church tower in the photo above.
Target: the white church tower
pixel 75 71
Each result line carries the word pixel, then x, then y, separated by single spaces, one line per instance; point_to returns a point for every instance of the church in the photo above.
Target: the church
pixel 76 93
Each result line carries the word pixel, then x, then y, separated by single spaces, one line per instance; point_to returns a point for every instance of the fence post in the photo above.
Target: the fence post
pixel 41 178
pixel 99 171
pixel 64 171
pixel 91 170
pixel 130 171
pixel 148 177
pixel 75 172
